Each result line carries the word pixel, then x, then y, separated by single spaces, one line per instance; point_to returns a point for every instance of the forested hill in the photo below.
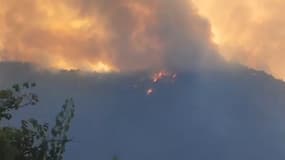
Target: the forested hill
pixel 232 113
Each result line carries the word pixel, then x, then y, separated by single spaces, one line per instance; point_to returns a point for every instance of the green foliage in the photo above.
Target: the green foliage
pixel 33 141
pixel 34 137
pixel 115 158
pixel 9 139
pixel 60 130
pixel 15 98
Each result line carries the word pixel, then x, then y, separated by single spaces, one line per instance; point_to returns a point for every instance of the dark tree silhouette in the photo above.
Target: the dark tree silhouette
pixel 33 141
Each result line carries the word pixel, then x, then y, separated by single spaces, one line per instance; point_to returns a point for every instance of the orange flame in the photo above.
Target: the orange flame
pixel 162 75
pixel 149 92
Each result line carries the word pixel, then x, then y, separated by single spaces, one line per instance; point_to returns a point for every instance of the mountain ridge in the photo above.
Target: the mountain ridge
pixel 225 113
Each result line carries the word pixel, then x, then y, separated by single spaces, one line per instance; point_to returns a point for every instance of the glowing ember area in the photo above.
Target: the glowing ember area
pixel 163 75
pixel 149 92
pixel 160 78
pixel 102 67
pixel 99 67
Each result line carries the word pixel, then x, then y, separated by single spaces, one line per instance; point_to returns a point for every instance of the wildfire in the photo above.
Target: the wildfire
pixel 63 65
pixel 99 67
pixel 149 91
pixel 159 76
pixel 102 68
pixel 162 75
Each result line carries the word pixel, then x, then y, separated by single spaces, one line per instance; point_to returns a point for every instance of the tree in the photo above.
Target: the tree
pixel 115 157
pixel 33 141
pixel 15 98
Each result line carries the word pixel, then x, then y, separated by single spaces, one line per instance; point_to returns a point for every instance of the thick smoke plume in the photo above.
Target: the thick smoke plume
pixel 249 32
pixel 105 35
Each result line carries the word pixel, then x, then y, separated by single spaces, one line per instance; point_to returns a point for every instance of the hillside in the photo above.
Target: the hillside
pixel 232 113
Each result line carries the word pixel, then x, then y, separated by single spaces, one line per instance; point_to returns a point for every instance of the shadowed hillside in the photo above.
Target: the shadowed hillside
pixel 228 114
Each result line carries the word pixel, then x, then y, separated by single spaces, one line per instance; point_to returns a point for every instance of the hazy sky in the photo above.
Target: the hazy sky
pixel 250 32
pixel 132 35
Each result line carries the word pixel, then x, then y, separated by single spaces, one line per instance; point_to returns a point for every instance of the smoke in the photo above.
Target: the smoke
pixel 105 35
pixel 249 32
pixel 133 35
